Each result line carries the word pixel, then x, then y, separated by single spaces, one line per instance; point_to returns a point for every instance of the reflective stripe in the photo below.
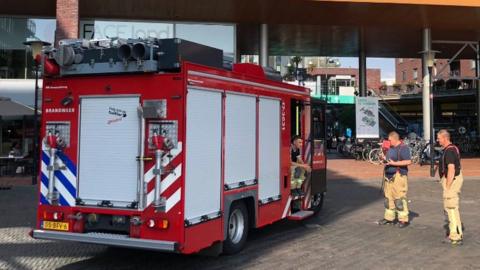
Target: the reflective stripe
pixel 66 179
pixel 175 152
pixel 165 184
pixel 287 207
pixel 68 186
pixel 71 167
pixel 173 200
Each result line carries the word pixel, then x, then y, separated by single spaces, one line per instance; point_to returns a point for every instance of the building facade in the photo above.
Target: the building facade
pixel 409 75
pixel 373 75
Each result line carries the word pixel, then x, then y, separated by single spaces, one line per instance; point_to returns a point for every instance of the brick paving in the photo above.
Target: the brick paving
pixel 361 170
pixel 343 236
pixel 9 182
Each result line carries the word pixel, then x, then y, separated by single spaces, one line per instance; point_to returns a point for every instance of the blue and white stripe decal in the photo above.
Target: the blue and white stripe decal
pixel 65 180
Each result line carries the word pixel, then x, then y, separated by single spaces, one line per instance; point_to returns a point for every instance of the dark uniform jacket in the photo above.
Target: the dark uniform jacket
pixel 451 155
pixel 398 153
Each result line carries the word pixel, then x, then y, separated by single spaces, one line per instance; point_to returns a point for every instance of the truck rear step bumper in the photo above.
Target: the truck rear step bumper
pixel 301 215
pixel 107 239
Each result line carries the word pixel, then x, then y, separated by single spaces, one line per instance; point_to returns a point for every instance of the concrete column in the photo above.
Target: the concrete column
pixel 362 64
pixel 1 138
pixel 427 46
pixel 67 20
pixel 477 74
pixel 263 54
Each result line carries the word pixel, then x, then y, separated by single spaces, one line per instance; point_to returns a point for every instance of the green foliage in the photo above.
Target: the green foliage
pixel 294 62
pixel 410 86
pixel 397 87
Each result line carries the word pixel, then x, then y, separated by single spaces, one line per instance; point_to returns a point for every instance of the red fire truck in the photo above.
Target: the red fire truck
pixel 152 144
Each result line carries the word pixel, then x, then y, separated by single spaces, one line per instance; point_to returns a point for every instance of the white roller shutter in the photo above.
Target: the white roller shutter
pixel 269 148
pixel 240 138
pixel 203 153
pixel 109 144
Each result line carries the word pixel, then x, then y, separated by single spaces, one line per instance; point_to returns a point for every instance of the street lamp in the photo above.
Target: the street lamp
pixel 36 46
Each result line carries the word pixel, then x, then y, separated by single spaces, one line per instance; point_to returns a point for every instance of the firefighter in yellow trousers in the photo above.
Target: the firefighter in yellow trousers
pixel 298 167
pixel 452 181
pixel 396 182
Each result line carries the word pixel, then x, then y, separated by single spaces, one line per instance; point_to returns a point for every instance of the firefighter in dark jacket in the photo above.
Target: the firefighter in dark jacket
pixel 452 181
pixel 396 182
pixel 299 168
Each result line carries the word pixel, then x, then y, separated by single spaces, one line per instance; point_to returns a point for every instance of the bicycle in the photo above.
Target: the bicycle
pixel 425 155
pixel 376 156
pixel 366 151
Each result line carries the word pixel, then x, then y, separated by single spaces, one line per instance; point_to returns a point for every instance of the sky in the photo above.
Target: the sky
pixel 386 65
pixel 45 29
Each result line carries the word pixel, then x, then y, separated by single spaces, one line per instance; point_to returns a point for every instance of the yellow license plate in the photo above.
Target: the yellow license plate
pixel 58 226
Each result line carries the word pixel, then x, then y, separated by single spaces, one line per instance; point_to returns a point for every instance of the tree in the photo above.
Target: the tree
pixel 296 60
pixel 397 87
pixel 383 88
pixel 410 87
pixel 292 68
pixel 290 75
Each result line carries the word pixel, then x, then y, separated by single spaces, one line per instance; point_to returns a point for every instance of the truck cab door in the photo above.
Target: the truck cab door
pixel 317 138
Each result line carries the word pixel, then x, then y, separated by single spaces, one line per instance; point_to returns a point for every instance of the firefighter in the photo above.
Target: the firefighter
pixel 298 167
pixel 395 183
pixel 452 181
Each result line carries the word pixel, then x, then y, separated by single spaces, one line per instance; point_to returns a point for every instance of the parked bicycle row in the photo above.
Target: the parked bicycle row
pixel 373 150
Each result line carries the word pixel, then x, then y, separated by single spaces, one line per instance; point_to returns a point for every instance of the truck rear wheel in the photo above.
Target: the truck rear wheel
pixel 317 202
pixel 237 228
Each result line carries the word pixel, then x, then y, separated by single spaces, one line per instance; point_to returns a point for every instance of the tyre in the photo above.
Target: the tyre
pixel 374 156
pixel 340 148
pixel 357 155
pixel 365 153
pixel 237 230
pixel 317 202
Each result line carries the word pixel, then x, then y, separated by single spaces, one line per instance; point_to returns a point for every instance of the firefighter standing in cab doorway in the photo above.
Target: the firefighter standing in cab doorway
pixel 298 167
pixel 452 181
pixel 395 183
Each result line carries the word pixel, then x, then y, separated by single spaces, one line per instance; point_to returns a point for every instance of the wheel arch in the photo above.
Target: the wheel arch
pixel 249 198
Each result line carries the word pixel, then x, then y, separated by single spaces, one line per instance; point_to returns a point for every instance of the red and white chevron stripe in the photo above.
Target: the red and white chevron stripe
pixel 287 208
pixel 167 181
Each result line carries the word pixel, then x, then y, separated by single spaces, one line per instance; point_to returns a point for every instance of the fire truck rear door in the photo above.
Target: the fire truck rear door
pixel 319 162
pixel 108 146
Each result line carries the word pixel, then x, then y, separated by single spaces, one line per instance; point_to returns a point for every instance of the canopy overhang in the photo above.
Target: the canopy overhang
pixel 392 28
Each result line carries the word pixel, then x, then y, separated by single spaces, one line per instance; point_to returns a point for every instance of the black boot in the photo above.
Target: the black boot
pixel 403 224
pixel 385 222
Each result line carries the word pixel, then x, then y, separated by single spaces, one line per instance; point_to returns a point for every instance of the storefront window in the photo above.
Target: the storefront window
pixel 215 35
pixel 15 59
pixel 218 36
pixel 16 131
pixel 124 29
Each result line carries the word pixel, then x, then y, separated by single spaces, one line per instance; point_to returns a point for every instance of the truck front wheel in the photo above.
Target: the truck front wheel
pixel 317 202
pixel 237 228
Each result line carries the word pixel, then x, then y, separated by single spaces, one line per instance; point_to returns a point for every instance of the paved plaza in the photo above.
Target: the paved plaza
pixel 343 236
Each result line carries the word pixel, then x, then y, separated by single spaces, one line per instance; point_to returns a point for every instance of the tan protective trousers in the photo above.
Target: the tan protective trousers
pixel 296 182
pixel 395 191
pixel 451 205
